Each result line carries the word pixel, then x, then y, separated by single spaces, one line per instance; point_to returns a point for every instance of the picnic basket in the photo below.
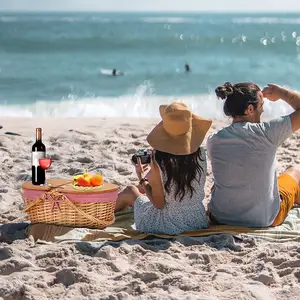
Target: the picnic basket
pixel 67 206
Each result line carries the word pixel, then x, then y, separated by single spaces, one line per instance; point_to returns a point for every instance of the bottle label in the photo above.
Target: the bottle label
pixel 35 156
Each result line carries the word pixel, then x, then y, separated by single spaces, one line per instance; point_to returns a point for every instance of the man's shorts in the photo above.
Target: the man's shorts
pixel 289 191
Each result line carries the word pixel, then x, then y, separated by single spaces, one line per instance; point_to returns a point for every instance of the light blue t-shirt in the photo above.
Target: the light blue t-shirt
pixel 244 169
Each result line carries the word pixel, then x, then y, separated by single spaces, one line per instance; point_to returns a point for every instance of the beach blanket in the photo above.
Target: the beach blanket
pixel 122 229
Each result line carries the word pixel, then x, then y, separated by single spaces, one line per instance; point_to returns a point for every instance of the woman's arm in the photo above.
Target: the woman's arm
pixel 153 185
pixel 154 190
pixel 147 188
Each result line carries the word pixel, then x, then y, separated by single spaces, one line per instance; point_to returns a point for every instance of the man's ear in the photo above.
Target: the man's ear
pixel 249 110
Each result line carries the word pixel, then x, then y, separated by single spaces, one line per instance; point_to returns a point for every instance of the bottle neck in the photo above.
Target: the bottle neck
pixel 39 135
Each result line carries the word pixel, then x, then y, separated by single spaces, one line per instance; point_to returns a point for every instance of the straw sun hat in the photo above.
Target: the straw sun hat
pixel 180 132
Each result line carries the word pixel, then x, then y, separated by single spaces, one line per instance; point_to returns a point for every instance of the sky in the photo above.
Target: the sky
pixel 151 5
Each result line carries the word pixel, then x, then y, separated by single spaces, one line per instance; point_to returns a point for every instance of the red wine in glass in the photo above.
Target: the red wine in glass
pixel 45 163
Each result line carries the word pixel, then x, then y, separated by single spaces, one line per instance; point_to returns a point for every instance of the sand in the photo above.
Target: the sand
pixel 214 267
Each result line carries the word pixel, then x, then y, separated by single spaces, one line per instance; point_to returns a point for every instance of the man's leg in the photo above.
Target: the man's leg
pixel 295 174
pixel 289 189
pixel 127 197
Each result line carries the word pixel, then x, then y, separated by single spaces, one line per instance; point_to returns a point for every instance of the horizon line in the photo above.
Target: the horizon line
pixel 148 11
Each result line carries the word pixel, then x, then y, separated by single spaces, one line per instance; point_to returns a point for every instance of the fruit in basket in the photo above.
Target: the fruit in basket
pixel 96 180
pixel 83 182
pixel 86 180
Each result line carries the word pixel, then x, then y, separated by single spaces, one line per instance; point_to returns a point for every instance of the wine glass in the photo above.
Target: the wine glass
pixel 45 163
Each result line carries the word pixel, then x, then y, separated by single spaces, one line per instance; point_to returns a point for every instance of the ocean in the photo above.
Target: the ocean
pixel 60 64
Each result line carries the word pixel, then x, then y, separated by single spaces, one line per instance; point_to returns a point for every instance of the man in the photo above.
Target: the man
pixel 116 72
pixel 246 189
pixel 187 68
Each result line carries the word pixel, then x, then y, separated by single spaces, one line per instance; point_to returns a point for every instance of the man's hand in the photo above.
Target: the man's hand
pixel 273 92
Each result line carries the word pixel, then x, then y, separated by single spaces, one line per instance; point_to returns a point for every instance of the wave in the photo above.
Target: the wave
pixel 136 106
pixel 124 106
pixel 59 19
pixel 97 19
pixel 173 43
pixel 90 44
pixel 171 20
pixel 266 20
pixel 87 18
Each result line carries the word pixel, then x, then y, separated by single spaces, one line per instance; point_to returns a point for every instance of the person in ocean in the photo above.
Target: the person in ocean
pixel 187 68
pixel 246 189
pixel 174 186
pixel 115 72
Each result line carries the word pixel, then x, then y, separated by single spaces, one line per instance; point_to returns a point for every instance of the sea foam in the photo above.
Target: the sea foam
pixel 136 106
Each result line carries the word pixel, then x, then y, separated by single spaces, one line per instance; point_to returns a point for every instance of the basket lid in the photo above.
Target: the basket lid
pixel 66 186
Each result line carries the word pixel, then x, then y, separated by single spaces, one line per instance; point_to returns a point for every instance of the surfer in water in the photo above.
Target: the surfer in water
pixel 115 72
pixel 111 72
pixel 187 68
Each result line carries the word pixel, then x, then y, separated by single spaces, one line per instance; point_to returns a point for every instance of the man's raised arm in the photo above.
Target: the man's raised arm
pixel 275 92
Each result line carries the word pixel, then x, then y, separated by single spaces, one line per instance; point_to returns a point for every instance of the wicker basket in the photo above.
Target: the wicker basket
pixel 77 210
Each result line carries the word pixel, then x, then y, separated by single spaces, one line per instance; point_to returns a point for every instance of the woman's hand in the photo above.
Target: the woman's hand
pixel 154 168
pixel 141 170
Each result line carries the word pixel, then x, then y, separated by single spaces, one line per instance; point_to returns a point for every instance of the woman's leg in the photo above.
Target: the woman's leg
pixel 127 197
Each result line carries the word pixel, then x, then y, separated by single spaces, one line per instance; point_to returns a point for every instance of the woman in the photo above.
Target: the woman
pixel 174 186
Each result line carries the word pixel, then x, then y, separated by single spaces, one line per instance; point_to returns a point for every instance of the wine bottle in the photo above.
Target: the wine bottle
pixel 38 151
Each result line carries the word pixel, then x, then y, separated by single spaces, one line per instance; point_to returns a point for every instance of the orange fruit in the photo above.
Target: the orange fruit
pixel 83 182
pixel 87 177
pixel 96 180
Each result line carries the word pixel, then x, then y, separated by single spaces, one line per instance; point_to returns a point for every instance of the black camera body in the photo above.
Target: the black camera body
pixel 144 155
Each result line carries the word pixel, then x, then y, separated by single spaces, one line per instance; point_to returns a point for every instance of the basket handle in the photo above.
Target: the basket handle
pixel 37 200
pixel 70 203
pixel 33 203
pixel 54 195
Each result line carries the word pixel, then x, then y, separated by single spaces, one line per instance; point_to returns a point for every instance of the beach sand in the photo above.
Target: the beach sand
pixel 214 267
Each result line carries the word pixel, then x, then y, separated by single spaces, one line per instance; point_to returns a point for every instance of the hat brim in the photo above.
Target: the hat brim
pixel 184 144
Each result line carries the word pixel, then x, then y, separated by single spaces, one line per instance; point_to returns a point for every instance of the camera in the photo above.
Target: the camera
pixel 144 155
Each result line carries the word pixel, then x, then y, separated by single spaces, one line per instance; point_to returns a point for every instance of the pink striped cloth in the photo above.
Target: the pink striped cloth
pixel 92 197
